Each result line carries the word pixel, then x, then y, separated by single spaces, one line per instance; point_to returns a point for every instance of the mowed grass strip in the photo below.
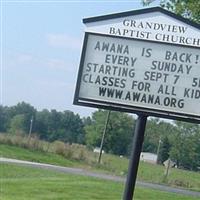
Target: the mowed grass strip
pixel 22 183
pixel 111 164
pixel 14 152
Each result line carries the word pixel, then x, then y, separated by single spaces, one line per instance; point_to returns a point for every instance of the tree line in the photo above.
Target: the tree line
pixel 176 140
pixel 47 125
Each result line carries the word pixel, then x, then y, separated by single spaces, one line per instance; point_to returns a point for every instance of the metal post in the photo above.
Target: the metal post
pixel 135 157
pixel 103 136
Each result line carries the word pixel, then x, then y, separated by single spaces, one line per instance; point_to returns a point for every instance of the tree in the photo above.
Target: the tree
pixel 152 134
pixel 73 128
pixel 185 145
pixel 155 130
pixel 17 124
pixel 41 124
pixel 26 110
pixel 187 8
pixel 4 119
pixel 118 135
pixel 87 121
pixel 53 125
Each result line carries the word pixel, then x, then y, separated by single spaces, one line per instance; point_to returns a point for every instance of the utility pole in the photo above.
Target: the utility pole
pixel 158 149
pixel 30 129
pixel 103 136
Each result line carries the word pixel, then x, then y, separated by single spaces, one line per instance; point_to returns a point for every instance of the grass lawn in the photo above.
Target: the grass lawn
pixel 26 183
pixel 34 156
pixel 110 164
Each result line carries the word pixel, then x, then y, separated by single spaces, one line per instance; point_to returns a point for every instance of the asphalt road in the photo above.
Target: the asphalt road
pixel 83 172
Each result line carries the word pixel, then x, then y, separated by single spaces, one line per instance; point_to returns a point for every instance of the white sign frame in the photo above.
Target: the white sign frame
pixel 80 99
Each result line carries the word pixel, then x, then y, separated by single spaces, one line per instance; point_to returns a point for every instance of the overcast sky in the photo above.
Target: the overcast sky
pixel 40 49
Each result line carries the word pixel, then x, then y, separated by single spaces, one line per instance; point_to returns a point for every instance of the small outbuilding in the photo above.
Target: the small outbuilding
pixel 148 157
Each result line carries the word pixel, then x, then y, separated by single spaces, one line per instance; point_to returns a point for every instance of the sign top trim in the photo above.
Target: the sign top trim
pixel 139 12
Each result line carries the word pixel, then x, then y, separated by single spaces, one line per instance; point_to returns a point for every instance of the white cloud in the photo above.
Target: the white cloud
pixel 60 65
pixel 57 84
pixel 56 64
pixel 64 41
pixel 24 58
pixel 18 60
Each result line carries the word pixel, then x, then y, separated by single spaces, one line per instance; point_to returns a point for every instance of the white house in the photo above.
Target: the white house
pixel 148 157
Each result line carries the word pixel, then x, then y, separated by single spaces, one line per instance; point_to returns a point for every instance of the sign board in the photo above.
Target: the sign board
pixel 140 74
pixel 155 24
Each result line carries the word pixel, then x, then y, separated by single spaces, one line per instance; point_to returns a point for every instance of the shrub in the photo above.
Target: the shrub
pixel 180 183
pixel 79 152
pixel 59 147
pixel 68 153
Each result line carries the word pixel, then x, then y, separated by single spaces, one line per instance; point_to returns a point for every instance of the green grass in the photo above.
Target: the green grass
pixel 22 183
pixel 177 177
pixel 110 164
pixel 34 156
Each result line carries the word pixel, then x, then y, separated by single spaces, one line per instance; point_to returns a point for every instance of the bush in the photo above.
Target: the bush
pixel 180 183
pixel 17 140
pixel 59 148
pixel 5 139
pixel 73 151
pixel 79 152
pixel 68 151
pixel 34 143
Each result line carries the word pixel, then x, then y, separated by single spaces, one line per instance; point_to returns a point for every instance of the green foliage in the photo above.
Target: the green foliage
pixel 26 110
pixel 155 130
pixel 180 142
pixel 49 125
pixel 152 134
pixel 164 150
pixel 187 8
pixel 185 145
pixel 3 118
pixel 24 113
pixel 17 124
pixel 118 134
pixel 65 126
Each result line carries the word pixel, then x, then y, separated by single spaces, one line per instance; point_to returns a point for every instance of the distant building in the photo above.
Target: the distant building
pixel 97 150
pixel 148 157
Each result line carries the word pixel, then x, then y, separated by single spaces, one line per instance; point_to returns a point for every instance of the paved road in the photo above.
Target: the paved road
pixel 78 171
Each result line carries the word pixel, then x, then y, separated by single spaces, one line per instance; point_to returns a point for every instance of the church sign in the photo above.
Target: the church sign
pixel 144 61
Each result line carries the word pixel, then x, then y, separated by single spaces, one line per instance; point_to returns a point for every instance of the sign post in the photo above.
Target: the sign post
pixel 145 62
pixel 135 157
